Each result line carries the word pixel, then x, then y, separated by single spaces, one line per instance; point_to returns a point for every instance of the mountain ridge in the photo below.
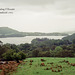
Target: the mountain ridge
pixel 9 32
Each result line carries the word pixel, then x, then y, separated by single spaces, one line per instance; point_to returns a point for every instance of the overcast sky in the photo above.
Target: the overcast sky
pixel 39 15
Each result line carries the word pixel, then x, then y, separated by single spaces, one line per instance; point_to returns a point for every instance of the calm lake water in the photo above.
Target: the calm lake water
pixel 27 39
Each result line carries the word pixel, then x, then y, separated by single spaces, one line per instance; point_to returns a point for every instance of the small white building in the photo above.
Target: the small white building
pixel 1 43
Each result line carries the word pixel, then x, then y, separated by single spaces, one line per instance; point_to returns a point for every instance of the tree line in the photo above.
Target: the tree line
pixel 38 48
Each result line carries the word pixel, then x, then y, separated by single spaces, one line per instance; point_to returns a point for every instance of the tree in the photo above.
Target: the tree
pixel 8 55
pixel 25 47
pixel 14 47
pixel 73 41
pixel 12 55
pixel 66 53
pixel 47 54
pixel 35 53
pixel 23 56
pixel 57 51
pixel 17 57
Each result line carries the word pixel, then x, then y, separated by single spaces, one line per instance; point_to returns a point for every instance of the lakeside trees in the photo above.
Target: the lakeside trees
pixel 38 48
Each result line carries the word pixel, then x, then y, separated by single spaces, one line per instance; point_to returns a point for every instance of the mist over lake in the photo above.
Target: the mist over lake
pixel 27 39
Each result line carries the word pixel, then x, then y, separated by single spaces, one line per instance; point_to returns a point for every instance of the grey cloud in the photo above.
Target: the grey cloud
pixel 57 6
pixel 31 2
pixel 52 15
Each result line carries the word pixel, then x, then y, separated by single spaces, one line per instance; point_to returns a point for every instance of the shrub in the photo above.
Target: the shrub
pixel 17 57
pixel 66 53
pixel 8 55
pixel 23 56
pixel 12 55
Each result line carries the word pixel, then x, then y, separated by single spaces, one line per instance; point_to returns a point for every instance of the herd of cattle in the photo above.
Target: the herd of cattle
pixel 8 66
pixel 54 68
pixel 11 66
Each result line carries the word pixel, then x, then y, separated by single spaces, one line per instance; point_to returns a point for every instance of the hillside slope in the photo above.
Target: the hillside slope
pixel 70 37
pixel 6 30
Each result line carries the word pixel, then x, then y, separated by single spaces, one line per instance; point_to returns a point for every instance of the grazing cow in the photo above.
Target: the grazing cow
pixel 31 60
pixel 30 63
pixel 73 64
pixel 47 68
pixel 52 70
pixel 42 60
pixel 60 66
pixel 42 64
pixel 0 67
pixel 51 63
pixel 58 70
pixel 68 63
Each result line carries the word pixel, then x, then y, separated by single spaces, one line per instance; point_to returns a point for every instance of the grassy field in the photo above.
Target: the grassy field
pixel 60 66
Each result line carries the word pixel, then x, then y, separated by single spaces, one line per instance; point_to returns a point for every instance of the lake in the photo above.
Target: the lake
pixel 26 39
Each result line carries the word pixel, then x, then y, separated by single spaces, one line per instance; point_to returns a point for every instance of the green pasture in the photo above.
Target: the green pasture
pixel 36 69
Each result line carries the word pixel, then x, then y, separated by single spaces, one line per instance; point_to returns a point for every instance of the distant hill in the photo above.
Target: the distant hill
pixel 70 32
pixel 44 34
pixel 8 32
pixel 70 37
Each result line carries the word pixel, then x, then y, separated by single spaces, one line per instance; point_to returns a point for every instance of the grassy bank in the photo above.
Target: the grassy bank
pixel 60 66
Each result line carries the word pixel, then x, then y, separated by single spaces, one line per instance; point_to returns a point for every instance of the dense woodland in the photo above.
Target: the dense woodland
pixel 69 37
pixel 38 48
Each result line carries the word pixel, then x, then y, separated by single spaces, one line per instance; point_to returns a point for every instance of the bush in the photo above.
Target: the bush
pixel 17 57
pixel 57 51
pixel 66 53
pixel 12 55
pixel 35 53
pixel 23 56
pixel 44 54
pixel 8 55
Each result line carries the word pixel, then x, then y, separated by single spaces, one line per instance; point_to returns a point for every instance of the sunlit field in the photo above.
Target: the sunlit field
pixel 46 66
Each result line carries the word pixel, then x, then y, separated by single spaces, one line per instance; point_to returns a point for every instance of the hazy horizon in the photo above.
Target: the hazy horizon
pixel 70 31
pixel 39 15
